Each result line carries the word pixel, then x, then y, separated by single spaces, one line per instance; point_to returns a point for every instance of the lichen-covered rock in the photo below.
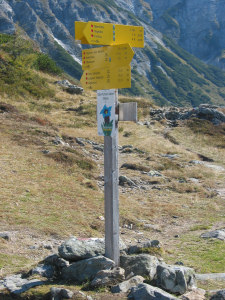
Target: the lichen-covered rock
pixel 195 294
pixel 17 285
pixel 142 264
pixel 215 234
pixel 60 293
pixel 44 271
pixel 108 277
pixel 220 295
pixel 125 286
pixel 175 279
pixel 75 249
pixel 86 269
pixel 145 291
pixel 143 247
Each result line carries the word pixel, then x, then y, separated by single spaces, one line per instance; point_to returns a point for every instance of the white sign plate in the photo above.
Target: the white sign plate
pixel 106 112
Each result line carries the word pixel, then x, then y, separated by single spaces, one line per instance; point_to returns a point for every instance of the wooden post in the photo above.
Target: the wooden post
pixel 111 176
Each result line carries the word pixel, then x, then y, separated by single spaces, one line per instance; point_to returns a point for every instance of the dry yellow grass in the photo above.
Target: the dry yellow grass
pixel 57 195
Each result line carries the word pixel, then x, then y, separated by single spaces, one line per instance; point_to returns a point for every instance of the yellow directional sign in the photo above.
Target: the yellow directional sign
pixel 107 78
pixel 110 56
pixel 79 28
pixel 97 33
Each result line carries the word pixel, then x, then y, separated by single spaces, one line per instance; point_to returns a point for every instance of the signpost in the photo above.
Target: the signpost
pixel 106 57
pixel 106 69
pixel 107 78
pixel 96 33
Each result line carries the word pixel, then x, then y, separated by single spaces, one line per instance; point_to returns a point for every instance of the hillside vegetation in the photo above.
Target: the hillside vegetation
pixel 51 172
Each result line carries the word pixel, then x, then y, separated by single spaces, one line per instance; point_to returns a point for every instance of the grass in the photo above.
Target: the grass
pixel 192 248
pixel 59 193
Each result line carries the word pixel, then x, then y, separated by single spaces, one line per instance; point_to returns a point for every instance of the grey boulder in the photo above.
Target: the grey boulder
pixel 216 234
pixel 17 285
pixel 175 279
pixel 70 88
pixel 60 293
pixel 141 247
pixel 75 249
pixel 125 286
pixel 145 291
pixel 142 264
pixel 44 271
pixel 108 277
pixel 86 269
pixel 220 295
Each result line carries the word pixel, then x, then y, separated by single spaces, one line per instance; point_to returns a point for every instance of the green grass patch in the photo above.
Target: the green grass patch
pixel 204 255
pixel 13 263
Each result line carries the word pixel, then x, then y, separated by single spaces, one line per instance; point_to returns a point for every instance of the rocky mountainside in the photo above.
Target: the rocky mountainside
pixel 162 71
pixel 197 26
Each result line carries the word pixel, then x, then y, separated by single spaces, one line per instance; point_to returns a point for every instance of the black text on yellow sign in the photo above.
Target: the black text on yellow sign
pixel 96 33
pixel 107 57
pixel 107 78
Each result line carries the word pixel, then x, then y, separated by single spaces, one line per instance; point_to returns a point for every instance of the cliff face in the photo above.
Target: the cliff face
pixel 157 70
pixel 197 26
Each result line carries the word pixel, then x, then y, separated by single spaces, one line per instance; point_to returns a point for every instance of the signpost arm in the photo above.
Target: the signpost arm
pixel 111 175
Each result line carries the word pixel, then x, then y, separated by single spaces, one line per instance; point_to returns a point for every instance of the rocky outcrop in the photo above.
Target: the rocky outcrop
pixel 198 26
pixel 204 111
pixel 142 264
pixel 108 277
pixel 147 292
pixel 219 295
pixel 86 269
pixel 175 279
pixel 215 234
pixel 125 286
pixel 75 249
pixel 70 88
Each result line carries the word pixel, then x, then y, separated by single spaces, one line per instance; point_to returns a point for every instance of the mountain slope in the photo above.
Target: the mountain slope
pixel 51 174
pixel 161 71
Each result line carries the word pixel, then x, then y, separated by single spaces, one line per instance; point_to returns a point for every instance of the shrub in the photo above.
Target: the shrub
pixel 46 64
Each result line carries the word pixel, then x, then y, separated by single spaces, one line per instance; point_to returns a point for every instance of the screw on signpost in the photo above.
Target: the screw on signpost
pixel 106 75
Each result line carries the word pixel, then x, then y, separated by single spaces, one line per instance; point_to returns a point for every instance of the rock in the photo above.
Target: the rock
pixel 86 269
pixel 195 294
pixel 55 260
pixel 172 114
pixel 60 293
pixel 108 277
pixel 125 180
pixel 125 286
pixel 80 295
pixel 212 276
pixel 220 295
pixel 170 156
pixel 75 249
pixel 5 235
pixel 136 167
pixel 59 141
pixel 154 174
pixel 175 279
pixel 17 285
pixel 142 264
pixel 70 88
pixel 136 249
pixel 80 141
pixel 216 234
pixel 44 271
pixel 98 147
pixel 205 112
pixel 145 291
